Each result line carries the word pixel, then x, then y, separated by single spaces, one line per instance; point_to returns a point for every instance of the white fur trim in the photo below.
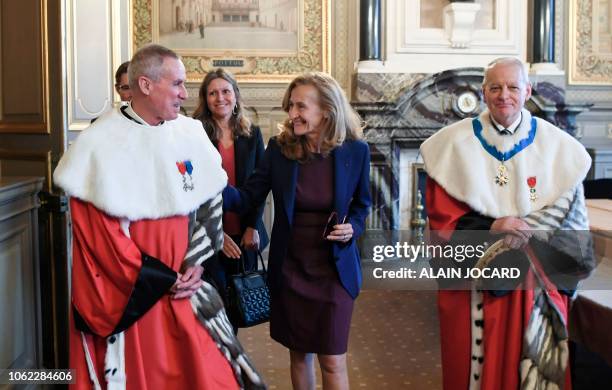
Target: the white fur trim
pixel 129 170
pixel 457 161
pixel 125 226
pixel 114 362
pixel 477 346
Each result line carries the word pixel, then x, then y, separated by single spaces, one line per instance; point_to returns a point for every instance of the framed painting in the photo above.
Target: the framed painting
pixel 257 40
pixel 590 42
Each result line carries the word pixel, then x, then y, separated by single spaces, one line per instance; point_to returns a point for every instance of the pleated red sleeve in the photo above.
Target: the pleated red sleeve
pixel 443 210
pixel 106 264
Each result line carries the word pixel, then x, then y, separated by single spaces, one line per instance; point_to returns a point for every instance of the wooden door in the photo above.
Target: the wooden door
pixel 32 138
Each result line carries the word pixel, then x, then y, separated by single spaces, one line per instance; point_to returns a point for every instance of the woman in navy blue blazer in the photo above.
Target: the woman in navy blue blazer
pixel 318 171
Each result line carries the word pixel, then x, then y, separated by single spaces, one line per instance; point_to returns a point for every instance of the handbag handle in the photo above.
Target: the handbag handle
pixel 259 255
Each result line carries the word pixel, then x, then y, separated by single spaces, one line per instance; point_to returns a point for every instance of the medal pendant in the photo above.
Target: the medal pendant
pixel 187 184
pixel 185 167
pixel 531 182
pixel 502 175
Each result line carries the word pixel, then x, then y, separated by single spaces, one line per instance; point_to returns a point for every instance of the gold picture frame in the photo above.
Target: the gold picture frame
pixel 311 52
pixel 590 45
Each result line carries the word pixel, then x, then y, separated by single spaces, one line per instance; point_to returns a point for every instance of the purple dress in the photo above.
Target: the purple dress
pixel 312 311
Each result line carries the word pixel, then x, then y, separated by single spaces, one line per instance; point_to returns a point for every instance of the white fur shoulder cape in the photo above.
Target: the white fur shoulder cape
pixel 131 170
pixel 456 160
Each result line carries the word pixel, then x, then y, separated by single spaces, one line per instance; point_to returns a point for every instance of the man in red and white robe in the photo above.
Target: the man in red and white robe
pixel 137 179
pixel 501 172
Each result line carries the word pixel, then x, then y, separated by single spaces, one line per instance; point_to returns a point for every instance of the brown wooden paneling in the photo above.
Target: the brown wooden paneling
pixel 23 66
pixel 32 45
pixel 27 163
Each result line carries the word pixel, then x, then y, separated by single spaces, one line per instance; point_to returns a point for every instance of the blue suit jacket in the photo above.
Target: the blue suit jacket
pixel 351 198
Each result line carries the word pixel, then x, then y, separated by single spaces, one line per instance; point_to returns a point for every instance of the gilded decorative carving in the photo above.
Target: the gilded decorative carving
pixel 341 44
pixel 587 63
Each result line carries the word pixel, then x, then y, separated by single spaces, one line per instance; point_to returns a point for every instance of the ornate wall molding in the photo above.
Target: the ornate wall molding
pixel 341 44
pixel 459 23
pixel 94 36
pixel 594 122
pixel 590 60
pixel 504 38
pixel 409 48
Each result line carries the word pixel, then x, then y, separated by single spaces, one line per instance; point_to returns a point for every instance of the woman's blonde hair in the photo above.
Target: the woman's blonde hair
pixel 340 121
pixel 239 122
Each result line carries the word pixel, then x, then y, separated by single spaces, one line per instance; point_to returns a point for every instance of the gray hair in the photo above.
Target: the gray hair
pixel 506 61
pixel 148 62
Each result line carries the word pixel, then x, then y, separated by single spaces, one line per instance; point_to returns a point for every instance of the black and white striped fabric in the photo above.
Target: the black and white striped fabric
pixel 208 307
pixel 567 213
pixel 545 342
pixel 205 232
pixel 206 239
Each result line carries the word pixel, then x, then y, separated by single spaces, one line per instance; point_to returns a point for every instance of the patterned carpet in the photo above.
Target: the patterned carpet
pixel 394 344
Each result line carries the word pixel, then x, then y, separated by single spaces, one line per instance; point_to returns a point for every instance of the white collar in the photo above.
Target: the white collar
pixel 457 161
pixel 129 110
pixel 512 128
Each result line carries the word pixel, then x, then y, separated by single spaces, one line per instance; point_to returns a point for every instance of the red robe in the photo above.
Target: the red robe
pixel 167 347
pixel 505 317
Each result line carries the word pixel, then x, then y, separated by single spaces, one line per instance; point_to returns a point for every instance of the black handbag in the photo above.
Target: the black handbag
pixel 248 296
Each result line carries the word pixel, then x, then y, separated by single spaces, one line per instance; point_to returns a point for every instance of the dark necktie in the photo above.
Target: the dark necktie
pixel 504 131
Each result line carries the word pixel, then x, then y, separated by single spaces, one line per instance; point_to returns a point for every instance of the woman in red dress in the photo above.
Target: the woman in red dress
pixel 221 111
